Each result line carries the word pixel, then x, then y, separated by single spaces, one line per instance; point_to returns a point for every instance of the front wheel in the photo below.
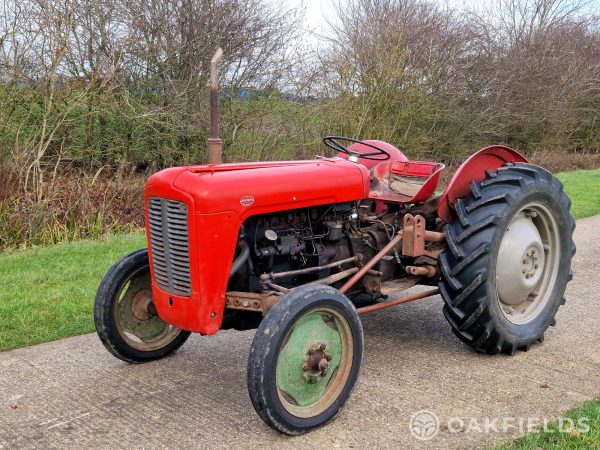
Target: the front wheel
pixel 124 314
pixel 305 359
pixel 508 259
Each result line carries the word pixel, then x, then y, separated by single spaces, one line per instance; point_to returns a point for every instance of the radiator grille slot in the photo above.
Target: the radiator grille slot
pixel 168 224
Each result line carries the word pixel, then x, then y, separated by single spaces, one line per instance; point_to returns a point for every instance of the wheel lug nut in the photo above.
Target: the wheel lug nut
pixel 324 372
pixel 323 364
pixel 313 379
pixel 328 357
pixel 305 367
pixel 536 266
pixel 524 260
pixel 524 270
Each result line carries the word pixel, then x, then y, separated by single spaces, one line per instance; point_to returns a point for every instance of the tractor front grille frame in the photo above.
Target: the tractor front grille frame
pixel 168 225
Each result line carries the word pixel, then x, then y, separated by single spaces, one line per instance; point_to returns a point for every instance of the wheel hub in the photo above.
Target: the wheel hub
pixel 531 262
pixel 141 305
pixel 520 261
pixel 316 362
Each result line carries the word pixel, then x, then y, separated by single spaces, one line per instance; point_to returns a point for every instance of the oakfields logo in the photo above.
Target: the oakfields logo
pixel 425 425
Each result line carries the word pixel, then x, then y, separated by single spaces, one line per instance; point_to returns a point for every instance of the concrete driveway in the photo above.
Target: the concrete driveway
pixel 73 394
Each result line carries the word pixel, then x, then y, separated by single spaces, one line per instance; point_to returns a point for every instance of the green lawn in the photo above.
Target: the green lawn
pixel 577 438
pixel 47 293
pixel 583 187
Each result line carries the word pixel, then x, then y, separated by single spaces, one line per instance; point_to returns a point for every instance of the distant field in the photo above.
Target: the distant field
pixel 47 293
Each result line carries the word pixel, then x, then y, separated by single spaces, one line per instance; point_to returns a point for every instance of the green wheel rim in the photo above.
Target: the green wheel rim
pixel 314 362
pixel 137 322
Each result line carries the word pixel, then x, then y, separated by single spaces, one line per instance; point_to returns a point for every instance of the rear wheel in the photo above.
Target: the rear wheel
pixel 508 260
pixel 124 314
pixel 305 359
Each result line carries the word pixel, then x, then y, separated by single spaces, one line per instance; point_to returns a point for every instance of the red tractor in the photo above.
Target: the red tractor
pixel 300 249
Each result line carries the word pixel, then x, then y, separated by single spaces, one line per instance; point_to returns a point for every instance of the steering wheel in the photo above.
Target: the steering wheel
pixel 353 155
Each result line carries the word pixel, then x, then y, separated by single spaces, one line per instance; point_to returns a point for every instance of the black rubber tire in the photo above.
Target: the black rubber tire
pixel 106 327
pixel 269 340
pixel 468 284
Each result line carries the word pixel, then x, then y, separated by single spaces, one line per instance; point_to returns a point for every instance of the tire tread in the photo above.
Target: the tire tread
pixel 463 276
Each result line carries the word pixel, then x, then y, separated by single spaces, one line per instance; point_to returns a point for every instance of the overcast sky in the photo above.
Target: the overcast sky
pixel 317 11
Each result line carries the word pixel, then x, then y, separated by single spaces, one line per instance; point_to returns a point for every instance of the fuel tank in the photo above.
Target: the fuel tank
pixel 193 218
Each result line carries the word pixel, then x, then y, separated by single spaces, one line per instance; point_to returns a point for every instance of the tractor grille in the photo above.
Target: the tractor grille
pixel 168 224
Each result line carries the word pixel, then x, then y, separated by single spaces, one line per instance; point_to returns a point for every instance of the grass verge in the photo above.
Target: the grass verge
pixel 581 432
pixel 583 188
pixel 47 293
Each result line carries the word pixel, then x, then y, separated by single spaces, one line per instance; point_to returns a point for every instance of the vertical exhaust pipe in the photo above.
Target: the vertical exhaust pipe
pixel 215 145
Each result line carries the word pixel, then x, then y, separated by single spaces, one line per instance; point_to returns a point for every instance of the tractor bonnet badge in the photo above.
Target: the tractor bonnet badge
pixel 247 200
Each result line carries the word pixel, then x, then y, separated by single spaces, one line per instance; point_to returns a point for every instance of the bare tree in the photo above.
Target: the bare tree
pixel 536 63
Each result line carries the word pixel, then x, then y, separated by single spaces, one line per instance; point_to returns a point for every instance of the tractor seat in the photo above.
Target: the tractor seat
pixel 404 181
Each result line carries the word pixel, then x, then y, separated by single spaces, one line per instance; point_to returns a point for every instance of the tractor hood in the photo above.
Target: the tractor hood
pixel 255 188
pixel 219 199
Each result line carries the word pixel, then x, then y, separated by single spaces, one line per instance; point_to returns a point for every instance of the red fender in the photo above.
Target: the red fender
pixel 473 169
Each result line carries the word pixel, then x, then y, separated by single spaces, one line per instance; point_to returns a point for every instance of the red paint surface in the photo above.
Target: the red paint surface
pixel 427 173
pixel 473 169
pixel 431 171
pixel 218 203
